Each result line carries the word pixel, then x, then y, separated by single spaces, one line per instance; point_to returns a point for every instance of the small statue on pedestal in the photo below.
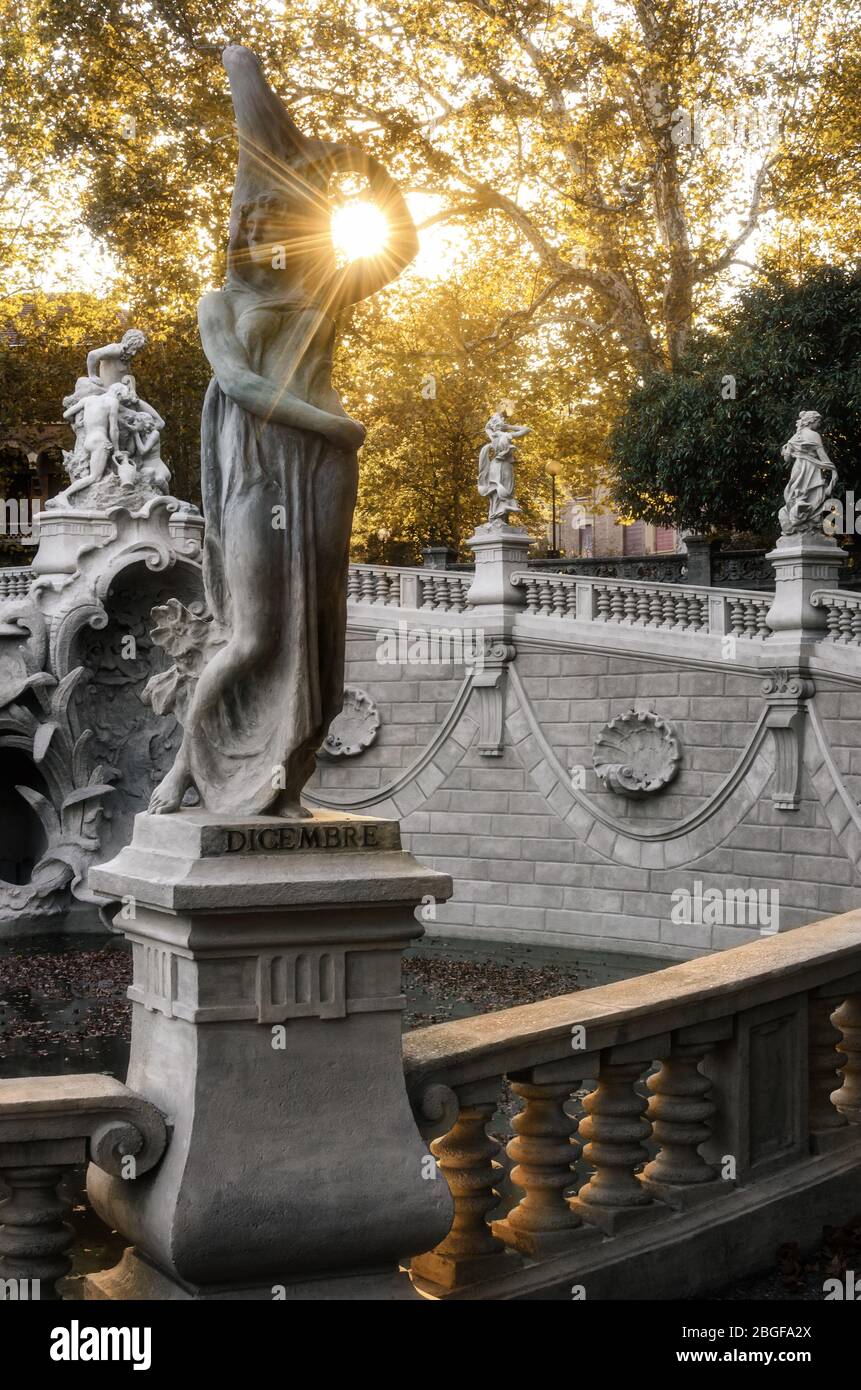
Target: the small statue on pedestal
pixel 496 467
pixel 117 459
pixel 811 481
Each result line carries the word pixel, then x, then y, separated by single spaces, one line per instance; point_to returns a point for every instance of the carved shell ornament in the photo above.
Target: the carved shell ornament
pixel 355 728
pixel 636 754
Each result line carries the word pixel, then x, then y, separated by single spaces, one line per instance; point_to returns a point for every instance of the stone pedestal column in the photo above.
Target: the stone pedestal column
pixel 438 557
pixel 499 551
pixel 802 564
pixel 699 563
pixel 267 1027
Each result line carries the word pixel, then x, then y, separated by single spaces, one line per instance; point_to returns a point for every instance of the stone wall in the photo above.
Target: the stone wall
pixel 542 852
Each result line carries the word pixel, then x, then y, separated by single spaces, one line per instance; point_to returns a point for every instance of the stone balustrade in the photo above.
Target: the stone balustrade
pixel 634 603
pixel 49 1125
pixel 14 583
pixel 441 591
pixel 667 1130
pixel 631 603
pixel 842 614
pixel 723 1109
pixel 679 608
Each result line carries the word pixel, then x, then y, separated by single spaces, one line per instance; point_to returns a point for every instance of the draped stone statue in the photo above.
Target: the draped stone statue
pixel 258 676
pixel 811 481
pixel 496 467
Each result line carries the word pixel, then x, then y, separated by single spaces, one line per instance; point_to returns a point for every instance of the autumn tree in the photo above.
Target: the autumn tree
pixel 631 154
pixel 421 369
pixel 701 447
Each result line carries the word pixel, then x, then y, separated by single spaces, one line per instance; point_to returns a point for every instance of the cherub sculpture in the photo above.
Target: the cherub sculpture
pixel 117 455
pixel 811 481
pixel 496 467
pixel 96 419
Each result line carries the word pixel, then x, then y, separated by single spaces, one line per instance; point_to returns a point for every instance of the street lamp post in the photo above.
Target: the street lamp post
pixel 553 469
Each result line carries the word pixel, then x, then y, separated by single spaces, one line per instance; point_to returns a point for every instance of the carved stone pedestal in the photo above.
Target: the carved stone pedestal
pixel 499 551
pixel 802 564
pixel 267 1027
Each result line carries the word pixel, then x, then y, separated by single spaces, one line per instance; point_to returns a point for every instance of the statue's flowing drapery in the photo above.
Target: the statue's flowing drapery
pixel 293 577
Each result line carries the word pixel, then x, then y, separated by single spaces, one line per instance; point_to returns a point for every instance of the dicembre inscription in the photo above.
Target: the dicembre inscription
pixel 271 839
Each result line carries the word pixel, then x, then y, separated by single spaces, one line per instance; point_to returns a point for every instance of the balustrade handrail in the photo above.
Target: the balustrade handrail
pixel 820 598
pixel 709 987
pixel 523 576
pixel 395 569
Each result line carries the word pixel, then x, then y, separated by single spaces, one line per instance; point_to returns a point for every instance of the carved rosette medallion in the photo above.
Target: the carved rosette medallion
pixel 636 754
pixel 355 728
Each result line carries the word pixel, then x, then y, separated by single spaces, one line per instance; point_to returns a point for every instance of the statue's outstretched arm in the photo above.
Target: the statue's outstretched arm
pixel 152 412
pixel 95 356
pixel 364 277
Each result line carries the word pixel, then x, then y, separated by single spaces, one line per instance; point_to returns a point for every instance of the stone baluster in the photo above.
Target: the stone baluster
pixel 543 1150
pixel 369 587
pixel 559 592
pixel 736 617
pixel 762 628
pixel 354 584
pixel 452 585
pixel 467 1158
pixel 602 603
pixel 823 1074
pixel 545 598
pixel 617 604
pixel 848 1020
pixel 531 588
pixel 832 622
pixel 34 1236
pixel 643 607
pixel 682 1111
pixel 614 1129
